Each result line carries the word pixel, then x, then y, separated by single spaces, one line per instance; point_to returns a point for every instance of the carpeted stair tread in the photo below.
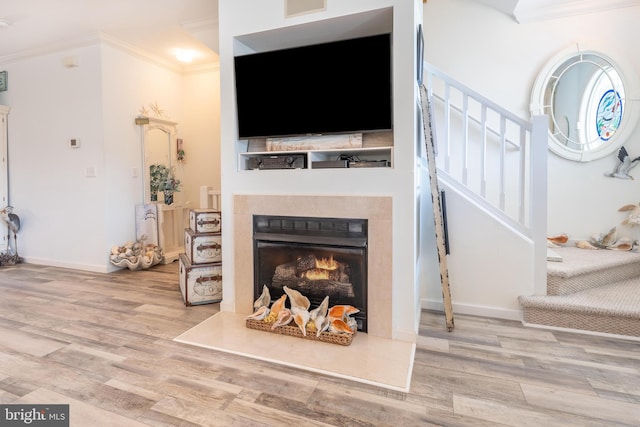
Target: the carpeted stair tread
pixel 613 309
pixel 580 261
pixel 583 269
pixel 617 299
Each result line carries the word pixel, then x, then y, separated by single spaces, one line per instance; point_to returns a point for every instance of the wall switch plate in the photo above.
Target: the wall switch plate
pixel 90 172
pixel 74 143
pixel 135 172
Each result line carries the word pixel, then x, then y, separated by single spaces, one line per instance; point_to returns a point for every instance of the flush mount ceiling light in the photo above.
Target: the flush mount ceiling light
pixel 185 55
pixel 4 23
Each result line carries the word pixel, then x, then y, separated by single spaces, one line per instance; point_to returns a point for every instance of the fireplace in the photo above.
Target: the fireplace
pixel 317 256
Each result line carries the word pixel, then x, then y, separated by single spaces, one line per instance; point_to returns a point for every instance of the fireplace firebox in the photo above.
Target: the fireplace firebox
pixel 317 256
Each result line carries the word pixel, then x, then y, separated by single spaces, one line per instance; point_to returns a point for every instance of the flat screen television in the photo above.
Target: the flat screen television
pixel 329 88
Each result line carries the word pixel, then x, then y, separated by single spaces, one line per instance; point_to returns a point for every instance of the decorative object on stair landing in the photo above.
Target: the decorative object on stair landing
pixel 604 240
pixel 13 226
pixel 609 241
pixel 625 164
pixel 633 218
pixel 334 325
pixel 558 240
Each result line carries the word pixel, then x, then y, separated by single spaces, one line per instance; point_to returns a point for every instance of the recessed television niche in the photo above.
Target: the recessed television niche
pixel 329 88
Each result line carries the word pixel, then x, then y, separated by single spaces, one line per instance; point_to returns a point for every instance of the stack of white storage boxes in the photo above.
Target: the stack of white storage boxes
pixel 201 264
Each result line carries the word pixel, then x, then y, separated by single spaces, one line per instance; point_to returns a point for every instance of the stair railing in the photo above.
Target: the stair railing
pixel 493 158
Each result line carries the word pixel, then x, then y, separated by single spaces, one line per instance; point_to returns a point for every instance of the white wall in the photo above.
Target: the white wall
pixel 128 83
pixel 499 58
pixel 68 219
pixel 62 212
pixel 200 130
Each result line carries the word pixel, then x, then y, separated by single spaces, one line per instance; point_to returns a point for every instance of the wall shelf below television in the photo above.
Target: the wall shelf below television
pixel 365 157
pixel 376 148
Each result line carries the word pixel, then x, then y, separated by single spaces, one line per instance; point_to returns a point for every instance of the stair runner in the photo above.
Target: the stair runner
pixel 591 290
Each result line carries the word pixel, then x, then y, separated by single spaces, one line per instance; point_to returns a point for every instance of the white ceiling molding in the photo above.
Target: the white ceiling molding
pixel 86 40
pixel 524 11
pixel 206 31
pixel 140 53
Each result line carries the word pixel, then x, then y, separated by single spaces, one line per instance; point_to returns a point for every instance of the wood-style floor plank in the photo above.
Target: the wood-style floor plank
pixel 103 343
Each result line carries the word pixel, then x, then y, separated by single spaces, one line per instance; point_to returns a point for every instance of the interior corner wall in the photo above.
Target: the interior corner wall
pixel 491 53
pixel 201 131
pixel 130 82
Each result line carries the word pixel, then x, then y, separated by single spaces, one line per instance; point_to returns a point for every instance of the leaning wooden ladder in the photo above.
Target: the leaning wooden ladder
pixel 437 206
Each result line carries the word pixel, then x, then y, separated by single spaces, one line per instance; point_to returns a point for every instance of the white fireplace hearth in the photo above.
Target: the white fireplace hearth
pixel 373 357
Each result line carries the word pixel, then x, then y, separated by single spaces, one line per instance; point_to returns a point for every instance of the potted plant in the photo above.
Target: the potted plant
pixel 168 185
pixel 157 175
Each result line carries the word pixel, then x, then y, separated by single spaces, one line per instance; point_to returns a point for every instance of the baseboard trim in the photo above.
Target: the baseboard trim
pixel 581 331
pixel 474 310
pixel 84 267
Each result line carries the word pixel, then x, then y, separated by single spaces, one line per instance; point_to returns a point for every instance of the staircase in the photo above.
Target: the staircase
pixel 493 166
pixel 590 290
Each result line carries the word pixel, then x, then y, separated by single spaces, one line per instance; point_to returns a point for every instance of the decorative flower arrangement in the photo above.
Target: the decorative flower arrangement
pixel 157 174
pixel 163 178
pixel 170 182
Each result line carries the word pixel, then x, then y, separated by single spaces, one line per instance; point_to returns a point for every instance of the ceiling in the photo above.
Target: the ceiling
pixel 157 28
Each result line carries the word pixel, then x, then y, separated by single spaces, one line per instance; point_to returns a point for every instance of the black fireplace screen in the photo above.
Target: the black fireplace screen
pixel 316 256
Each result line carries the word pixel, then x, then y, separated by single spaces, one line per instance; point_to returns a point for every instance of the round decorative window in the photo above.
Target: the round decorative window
pixel 608 114
pixel 584 96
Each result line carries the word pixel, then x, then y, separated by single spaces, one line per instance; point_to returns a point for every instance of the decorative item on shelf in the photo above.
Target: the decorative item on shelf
pixel 168 197
pixel 157 175
pixel 162 178
pixel 155 109
pixel 169 185
pixel 181 153
pixel 136 255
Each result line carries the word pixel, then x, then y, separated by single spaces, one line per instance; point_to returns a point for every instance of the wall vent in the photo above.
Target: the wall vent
pixel 299 7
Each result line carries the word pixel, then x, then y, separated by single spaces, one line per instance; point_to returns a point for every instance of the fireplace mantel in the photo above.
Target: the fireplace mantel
pixel 376 209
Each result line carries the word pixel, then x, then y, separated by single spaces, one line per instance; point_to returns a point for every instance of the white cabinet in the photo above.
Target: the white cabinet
pixel 164 226
pixel 172 221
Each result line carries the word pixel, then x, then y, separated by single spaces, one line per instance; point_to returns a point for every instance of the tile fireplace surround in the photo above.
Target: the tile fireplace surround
pixel 376 209
pixel 373 358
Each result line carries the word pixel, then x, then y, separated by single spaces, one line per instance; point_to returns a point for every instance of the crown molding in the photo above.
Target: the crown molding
pixel 50 48
pixel 541 10
pixel 140 53
pixel 98 38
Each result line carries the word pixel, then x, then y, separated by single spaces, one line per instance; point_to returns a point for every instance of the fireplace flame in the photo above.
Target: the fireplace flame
pixel 316 274
pixel 326 263
pixel 323 268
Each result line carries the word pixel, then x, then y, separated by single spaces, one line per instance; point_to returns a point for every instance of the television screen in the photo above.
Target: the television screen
pixel 329 88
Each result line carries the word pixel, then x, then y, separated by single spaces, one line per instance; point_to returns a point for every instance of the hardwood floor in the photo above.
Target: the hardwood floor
pixel 103 344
